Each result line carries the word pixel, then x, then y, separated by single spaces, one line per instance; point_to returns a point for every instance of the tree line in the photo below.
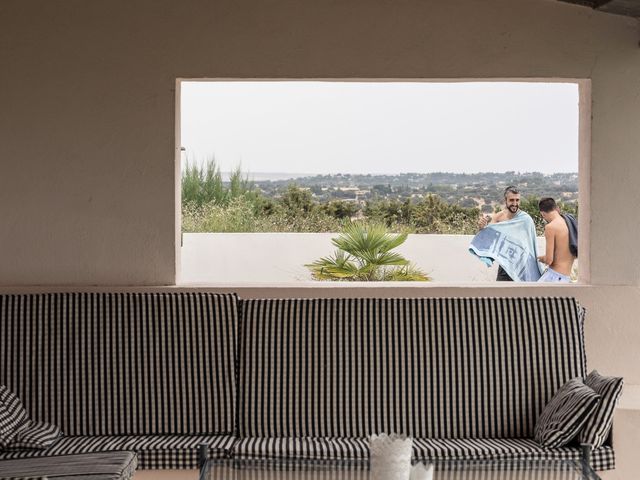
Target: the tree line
pixel 210 204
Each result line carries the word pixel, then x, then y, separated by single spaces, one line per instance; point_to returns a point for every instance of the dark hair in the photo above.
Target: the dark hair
pixel 511 189
pixel 547 204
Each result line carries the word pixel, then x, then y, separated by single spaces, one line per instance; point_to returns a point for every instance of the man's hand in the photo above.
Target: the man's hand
pixel 483 221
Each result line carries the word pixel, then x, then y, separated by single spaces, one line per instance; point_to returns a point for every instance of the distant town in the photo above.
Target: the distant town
pixel 469 190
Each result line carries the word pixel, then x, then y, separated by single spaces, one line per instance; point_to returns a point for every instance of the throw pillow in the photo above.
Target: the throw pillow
pixel 12 415
pixel 597 427
pixel 565 414
pixel 34 435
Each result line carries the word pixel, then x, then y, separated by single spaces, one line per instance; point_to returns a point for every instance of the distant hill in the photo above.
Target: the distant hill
pixel 483 190
pixel 269 176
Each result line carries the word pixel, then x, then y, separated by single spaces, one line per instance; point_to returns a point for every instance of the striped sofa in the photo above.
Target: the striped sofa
pixel 467 378
pixel 160 373
pixel 151 373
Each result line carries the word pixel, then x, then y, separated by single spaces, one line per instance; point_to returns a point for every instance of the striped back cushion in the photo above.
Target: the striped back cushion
pixel 439 368
pixel 597 427
pixel 566 413
pixel 12 415
pixel 122 363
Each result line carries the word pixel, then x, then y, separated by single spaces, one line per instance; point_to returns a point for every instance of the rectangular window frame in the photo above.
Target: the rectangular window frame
pixel 584 194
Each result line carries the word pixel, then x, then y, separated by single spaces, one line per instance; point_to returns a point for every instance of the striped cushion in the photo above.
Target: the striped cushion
pixel 94 466
pixel 301 448
pixel 178 451
pixel 328 449
pixel 12 415
pixel 154 451
pixel 505 449
pixel 598 425
pixel 34 435
pixel 565 414
pixel 122 363
pixel 435 367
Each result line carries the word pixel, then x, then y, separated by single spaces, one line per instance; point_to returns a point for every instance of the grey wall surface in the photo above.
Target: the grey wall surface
pixel 87 123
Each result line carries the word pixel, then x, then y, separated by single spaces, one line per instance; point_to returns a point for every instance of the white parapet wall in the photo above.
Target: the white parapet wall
pixel 280 257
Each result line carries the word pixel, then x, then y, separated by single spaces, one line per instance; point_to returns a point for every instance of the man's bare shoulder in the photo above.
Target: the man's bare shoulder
pixel 501 216
pixel 555 226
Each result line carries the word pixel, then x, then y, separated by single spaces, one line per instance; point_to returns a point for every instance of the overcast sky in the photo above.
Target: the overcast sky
pixel 382 127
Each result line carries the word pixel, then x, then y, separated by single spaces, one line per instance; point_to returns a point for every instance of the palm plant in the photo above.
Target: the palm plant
pixel 364 254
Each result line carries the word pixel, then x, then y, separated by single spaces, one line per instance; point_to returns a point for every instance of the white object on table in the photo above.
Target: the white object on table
pixel 390 456
pixel 422 472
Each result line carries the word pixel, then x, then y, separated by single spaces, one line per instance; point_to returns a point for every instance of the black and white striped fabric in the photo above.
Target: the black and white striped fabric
pixel 424 449
pixel 302 448
pixel 565 414
pixel 429 368
pixel 516 449
pixel 34 435
pixel 122 363
pixel 12 415
pixel 597 427
pixel 153 451
pixel 94 466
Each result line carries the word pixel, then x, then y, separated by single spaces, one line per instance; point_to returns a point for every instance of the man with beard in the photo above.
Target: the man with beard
pixel 510 211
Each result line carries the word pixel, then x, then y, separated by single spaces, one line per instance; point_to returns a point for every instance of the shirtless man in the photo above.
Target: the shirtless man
pixel 557 255
pixel 510 210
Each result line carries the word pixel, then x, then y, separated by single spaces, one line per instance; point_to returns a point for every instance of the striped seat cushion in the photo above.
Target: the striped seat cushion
pixel 122 363
pixel 429 367
pixel 505 449
pixel 301 448
pixel 153 451
pixel 94 466
pixel 327 449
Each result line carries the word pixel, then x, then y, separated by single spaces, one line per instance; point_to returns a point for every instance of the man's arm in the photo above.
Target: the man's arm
pixel 550 240
pixel 488 219
pixel 498 217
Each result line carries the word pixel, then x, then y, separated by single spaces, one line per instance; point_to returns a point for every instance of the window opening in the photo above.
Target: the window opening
pixel 273 171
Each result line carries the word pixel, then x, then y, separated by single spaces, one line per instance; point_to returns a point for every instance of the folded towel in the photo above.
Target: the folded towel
pixel 572 226
pixel 512 244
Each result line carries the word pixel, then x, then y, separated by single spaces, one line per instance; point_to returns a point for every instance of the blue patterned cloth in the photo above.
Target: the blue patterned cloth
pixel 512 244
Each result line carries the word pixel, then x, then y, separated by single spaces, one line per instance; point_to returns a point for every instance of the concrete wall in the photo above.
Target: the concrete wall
pixel 232 258
pixel 87 123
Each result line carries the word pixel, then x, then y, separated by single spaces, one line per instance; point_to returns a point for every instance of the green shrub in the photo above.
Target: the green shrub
pixel 203 185
pixel 211 205
pixel 434 215
pixel 237 216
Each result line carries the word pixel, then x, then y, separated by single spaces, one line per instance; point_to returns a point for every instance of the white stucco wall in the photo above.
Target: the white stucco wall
pixel 270 258
pixel 88 117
